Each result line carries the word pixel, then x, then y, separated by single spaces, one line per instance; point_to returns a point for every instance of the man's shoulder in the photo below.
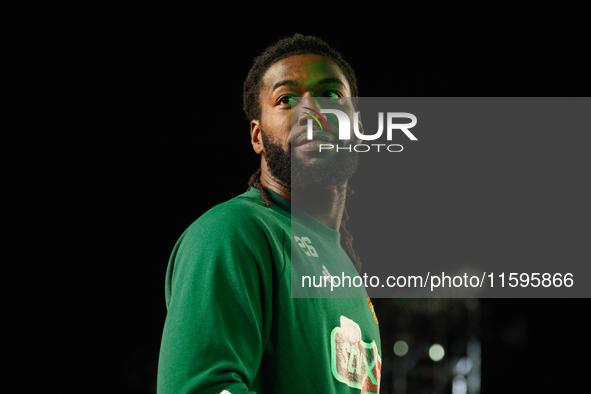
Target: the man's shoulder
pixel 245 204
pixel 242 213
pixel 230 239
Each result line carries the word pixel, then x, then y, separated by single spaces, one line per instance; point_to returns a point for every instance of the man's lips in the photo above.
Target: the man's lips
pixel 318 137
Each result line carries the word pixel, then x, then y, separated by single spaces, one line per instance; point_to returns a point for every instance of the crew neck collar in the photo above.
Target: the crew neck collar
pixel 305 218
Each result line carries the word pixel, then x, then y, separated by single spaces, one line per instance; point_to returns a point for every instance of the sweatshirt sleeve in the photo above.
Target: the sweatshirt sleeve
pixel 218 294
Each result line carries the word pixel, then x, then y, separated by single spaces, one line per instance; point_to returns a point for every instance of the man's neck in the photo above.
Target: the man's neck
pixel 326 206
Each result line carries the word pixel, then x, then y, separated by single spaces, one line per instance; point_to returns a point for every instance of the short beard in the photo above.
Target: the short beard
pixel 291 171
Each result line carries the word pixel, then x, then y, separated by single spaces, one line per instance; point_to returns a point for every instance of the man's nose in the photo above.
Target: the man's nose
pixel 310 109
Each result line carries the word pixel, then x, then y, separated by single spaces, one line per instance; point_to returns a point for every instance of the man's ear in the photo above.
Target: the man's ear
pixel 256 139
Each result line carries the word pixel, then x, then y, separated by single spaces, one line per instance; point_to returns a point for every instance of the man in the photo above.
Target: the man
pixel 232 324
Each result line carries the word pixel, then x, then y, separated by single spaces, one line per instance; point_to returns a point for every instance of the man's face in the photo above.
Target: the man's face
pixel 290 156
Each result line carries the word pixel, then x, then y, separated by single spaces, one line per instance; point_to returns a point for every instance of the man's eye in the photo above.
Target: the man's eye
pixel 333 95
pixel 287 100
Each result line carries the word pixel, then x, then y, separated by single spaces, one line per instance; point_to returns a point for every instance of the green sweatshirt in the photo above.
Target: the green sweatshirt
pixel 232 323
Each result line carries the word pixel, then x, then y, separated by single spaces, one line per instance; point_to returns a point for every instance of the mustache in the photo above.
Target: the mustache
pixel 300 132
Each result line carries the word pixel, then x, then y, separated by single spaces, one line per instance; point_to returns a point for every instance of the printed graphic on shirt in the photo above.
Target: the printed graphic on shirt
pixel 372 310
pixel 354 362
pixel 306 245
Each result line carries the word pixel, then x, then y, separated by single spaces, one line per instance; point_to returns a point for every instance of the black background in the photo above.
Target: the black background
pixel 126 125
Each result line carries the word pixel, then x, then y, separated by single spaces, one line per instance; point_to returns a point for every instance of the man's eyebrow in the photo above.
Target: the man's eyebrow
pixel 330 80
pixel 320 82
pixel 283 83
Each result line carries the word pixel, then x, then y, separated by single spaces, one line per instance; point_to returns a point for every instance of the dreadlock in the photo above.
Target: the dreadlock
pixel 255 181
pixel 347 238
pixel 298 44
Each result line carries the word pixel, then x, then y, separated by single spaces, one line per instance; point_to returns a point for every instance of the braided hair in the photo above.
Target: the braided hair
pixel 291 46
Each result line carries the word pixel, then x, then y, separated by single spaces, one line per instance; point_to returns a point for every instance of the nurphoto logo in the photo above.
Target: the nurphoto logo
pixel 345 129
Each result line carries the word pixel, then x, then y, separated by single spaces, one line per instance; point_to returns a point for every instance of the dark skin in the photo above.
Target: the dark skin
pixel 305 76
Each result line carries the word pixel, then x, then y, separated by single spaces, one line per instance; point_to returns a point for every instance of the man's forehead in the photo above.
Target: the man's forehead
pixel 303 69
